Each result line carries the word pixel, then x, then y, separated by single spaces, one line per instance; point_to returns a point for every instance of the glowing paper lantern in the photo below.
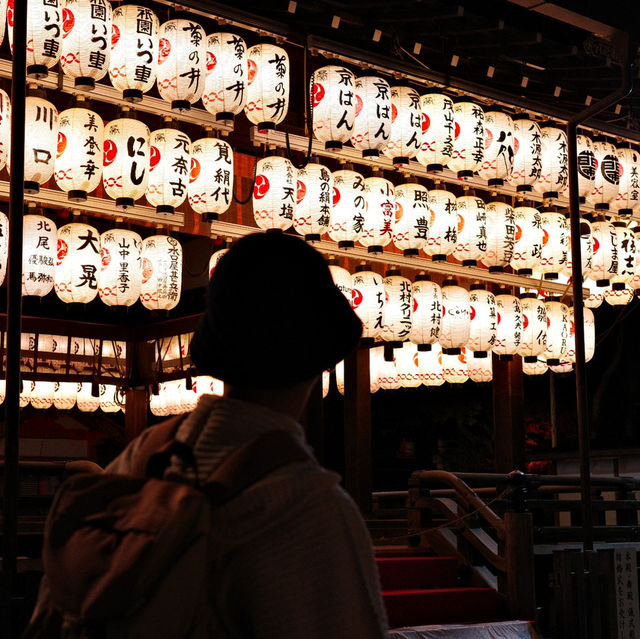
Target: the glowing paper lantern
pixel 109 398
pixel 527 250
pixel 268 86
pixel 605 252
pixel 215 258
pixel 480 368
pixel 554 172
pixel 436 147
pixel 86 402
pixel 456 317
pixel 388 377
pixel 205 385
pixel 408 365
pixel 586 247
pixel 589 336
pixel 406 126
pixel 126 160
pixel 555 244
pixel 158 403
pixel 26 388
pixel 168 169
pixel 274 193
pixel 340 377
pixel 134 50
pixel 40 142
pixel 527 159
pixel 326 383
pixel 431 366
pixel 225 82
pixel 534 328
pixel 76 274
pixel 483 327
pixel 558 328
pixel 86 43
pixel 562 367
pixel 64 395
pixel 596 295
pixel 79 158
pixel 161 272
pixel 44 35
pixel 426 318
pixel 5 127
pixel 618 297
pixel 334 105
pixel 210 187
pixel 510 322
pixel 42 394
pixel 349 206
pixel 372 124
pixel 396 314
pixel 498 148
pixel 342 279
pixel 454 367
pixel 443 225
pixel 607 180
pixel 468 140
pixel 501 236
pixel 120 275
pixel 412 218
pixel 538 367
pixel 4 245
pixel 313 202
pixel 375 355
pixel 367 300
pixel 39 247
pixel 379 214
pixel 472 230
pixel 586 166
pixel 628 198
pixel 3 24
pixel 626 258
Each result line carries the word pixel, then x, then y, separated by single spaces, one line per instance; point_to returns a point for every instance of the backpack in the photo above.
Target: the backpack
pixel 126 556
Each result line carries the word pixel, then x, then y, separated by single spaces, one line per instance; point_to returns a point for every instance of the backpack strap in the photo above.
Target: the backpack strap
pixel 157 440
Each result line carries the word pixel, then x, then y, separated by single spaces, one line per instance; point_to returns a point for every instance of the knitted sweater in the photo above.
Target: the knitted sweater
pixel 293 556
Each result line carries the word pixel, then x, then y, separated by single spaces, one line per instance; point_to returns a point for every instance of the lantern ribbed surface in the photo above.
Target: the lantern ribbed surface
pixel 78 263
pixel 472 229
pixel 555 244
pixel 314 194
pixel 40 142
pixel 534 327
pixel 426 319
pixel 454 368
pixel 498 148
pixel 377 228
pixel 483 327
pixel 375 355
pixel 596 295
pixel 480 368
pixel 120 275
pixel 169 169
pixel 510 322
pixel 436 146
pixel 456 316
pixel 411 227
pixel 367 300
pixel 406 126
pixel 442 237
pixel 109 398
pixel 274 193
pixel 39 250
pixel 527 158
pixel 372 124
pixel 348 207
pixel 158 404
pixel 605 252
pixel 342 279
pixel 554 172
pixel 388 376
pixel 535 368
pixel 267 85
pixel 398 307
pixel 42 394
pixel 618 297
pixel 86 402
pixel 161 272
pixel 607 180
pixel 64 395
pixel 501 235
pixel 628 198
pixel 431 366
pixel 558 328
pixel 408 365
pixel 527 250
pixel 468 139
pixel 340 377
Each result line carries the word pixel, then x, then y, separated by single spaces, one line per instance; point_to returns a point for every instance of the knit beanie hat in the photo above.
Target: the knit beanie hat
pixel 274 316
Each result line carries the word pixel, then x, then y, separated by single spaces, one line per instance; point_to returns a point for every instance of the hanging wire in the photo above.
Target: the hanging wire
pixel 240 201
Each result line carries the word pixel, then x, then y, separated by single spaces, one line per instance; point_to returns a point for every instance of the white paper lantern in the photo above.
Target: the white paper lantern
pixel 534 328
pixel 398 306
pixel 618 297
pixel 454 367
pixel 406 126
pixel 64 395
pixel 188 397
pixel 126 160
pixel 436 147
pixel 586 166
pixel 5 127
pixel 605 252
pixel 498 148
pixel 388 374
pixel 86 43
pixel 431 366
pixel 4 245
pixel 206 385
pixel 274 193
pixel 468 139
pixel 554 173
pixel 314 194
pixel 443 225
pixel 109 398
pixel 558 329
pixel 483 327
pixel 340 377
pixel 44 35
pixel 589 336
pixel 628 198
pixel 80 154
pixel 225 85
pixel 86 402
pixel 480 368
pixel 342 279
pixel 326 383
pixel 158 403
pixel 527 250
pixel 367 300
pixel 39 247
pixel 426 318
pixel 596 294
pixel 501 236
pixel 586 248
pixel 161 272
pixel 472 230
pixel 626 256
pixel 412 218
pixel 333 91
pixel 134 50
pixel 210 187
pixel 510 322
pixel 372 124
pixel 377 228
pixel 408 365
pixel 169 169
pixel 456 316
pixel 3 24
pixel 538 367
pixel 215 258
pixel 527 159
pixel 40 142
pixel 26 388
pixel 348 208
pixel 607 181
pixel 562 367
pixel 555 244
pixel 42 394
pixel 267 86
pixel 120 276
pixel 375 355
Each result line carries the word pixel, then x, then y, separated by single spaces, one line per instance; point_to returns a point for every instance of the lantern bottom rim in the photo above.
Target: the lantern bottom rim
pixel 440 257
pixel 602 283
pixel 84 82
pixel 77 195
pixel 411 252
pixel 400 160
pixel 424 348
pixel 465 175
pixel 624 212
pixel 553 362
pixel 469 262
pixel 124 202
pixel 437 168
pixel 496 269
pixel 31 187
pixel 265 126
pixel 527 272
pixel 132 95
pixel 346 244
pixel 480 354
pixel 451 351
pixel 530 359
pixel 165 209
pixel 550 194
pixel 618 286
pixel 180 105
pixel 550 276
pixel 225 116
pixel 333 145
pixel 37 71
pixel 601 206
pixel 209 217
pixel 374 249
pixel 505 358
pixel 370 153
pixel 495 182
pixel 524 188
pixel 312 237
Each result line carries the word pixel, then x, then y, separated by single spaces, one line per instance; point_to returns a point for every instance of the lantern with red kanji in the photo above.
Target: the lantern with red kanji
pixel 456 317
pixel 120 275
pixel 555 243
pixel 558 328
pixel 314 193
pixel 412 218
pixel 406 128
pixel 527 250
pixel 372 124
pixel 349 206
pixel 274 193
pixel 483 325
pixel 472 230
pixel 442 236
pixel 509 333
pixel 468 139
pixel 498 148
pixel 38 255
pixel 534 328
pixel 607 179
pixel 426 318
pixel 436 146
pixel 527 158
pixel 628 198
pixel 377 228
pixel 501 236
pixel 367 300
pixel 554 171
pixel 161 272
pixel 398 307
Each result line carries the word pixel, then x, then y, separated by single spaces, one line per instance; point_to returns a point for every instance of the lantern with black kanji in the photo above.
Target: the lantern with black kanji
pixel 426 317
pixel 483 325
pixel 442 236
pixel 527 250
pixel 607 179
pixel 134 50
pixel 182 60
pixel 78 263
pixel 534 328
pixel 586 248
pixel 501 236
pixel 555 243
pixel 377 228
pixel 498 148
pixel 605 252
pixel 406 128
pixel 628 198
pixel 468 139
pixel 398 307
pixel 169 168
pixel 372 124
pixel 412 218
pixel 431 366
pixel 558 328
pixel 626 256
pixel 125 175
pixel 40 142
pixel 436 146
pixel 367 300
pixel 349 206
pixel 79 159
pixel 554 171
pixel 267 86
pixel 342 279
pixel 456 317
pixel 333 94
pixel 509 333
pixel 274 193
pixel 480 368
pixel 210 187
pixel 527 158
pixel 161 272
pixel 5 127
pixel 314 193
pixel 454 367
pixel 472 230
pixel 586 167
pixel 38 255
pixel 120 276
pixel 86 42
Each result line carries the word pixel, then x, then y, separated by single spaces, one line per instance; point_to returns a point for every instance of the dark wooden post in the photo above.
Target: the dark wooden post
pixel 521 592
pixel 135 419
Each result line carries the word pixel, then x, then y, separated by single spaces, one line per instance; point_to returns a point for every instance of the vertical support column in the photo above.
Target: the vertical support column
pixel 357 428
pixel 135 419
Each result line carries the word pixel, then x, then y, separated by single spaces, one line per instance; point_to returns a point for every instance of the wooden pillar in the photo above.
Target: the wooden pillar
pixel 313 421
pixel 357 428
pixel 135 419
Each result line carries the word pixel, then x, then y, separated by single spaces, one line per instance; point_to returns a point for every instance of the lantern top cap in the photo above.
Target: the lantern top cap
pixel 451 281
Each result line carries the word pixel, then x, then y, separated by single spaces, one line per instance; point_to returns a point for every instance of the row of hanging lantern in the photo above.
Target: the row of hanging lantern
pixel 178 396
